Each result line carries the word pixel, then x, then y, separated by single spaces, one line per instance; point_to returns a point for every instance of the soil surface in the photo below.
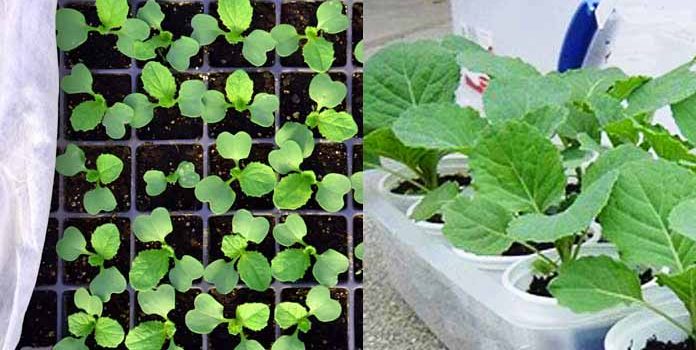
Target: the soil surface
pixel 48 269
pixel 654 344
pixel 357 30
pixel 220 339
pixel 408 188
pixel 224 54
pixel 357 239
pixel 322 336
pixel 357 105
pixel 295 103
pixel 99 51
pixel 39 328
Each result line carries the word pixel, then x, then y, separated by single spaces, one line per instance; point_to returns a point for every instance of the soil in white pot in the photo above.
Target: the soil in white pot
pixel 408 188
pixel 539 285
pixel 655 344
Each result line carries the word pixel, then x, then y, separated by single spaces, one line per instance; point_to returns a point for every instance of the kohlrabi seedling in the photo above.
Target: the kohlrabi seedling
pixel 291 264
pixel 290 314
pixel 209 314
pixel 150 265
pixel 105 242
pixel 356 181
pixel 251 265
pixel 236 15
pixel 107 332
pixel 109 168
pixel 317 51
pixel 328 94
pixel 153 334
pixel 358 52
pixel 255 179
pixel 185 175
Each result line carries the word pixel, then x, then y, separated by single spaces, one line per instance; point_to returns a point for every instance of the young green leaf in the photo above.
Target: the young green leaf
pixel 181 51
pixel 684 286
pixel 207 315
pixel 360 251
pixel 331 190
pixel 477 225
pixel 256 46
pixel 159 82
pixel 131 40
pixel 143 109
pixel 151 13
pixel 239 89
pixel 322 306
pixel 214 106
pixel 156 182
pixel 257 179
pixel 287 158
pixel 106 240
pixel 288 314
pixel 116 119
pixel 318 53
pixel 292 231
pixel 154 227
pixel 109 167
pixel 336 126
pixel 684 113
pixel 72 30
pixel 234 146
pixel 294 190
pixel 188 177
pixel 610 160
pixel 514 98
pixel 236 15
pixel 147 335
pixel 81 324
pixel 99 199
pixel 108 281
pixel 358 52
pixel 263 108
pixel 205 29
pixel 185 271
pixel 299 133
pixel 191 98
pixel 288 342
pixel 255 271
pixel 356 181
pixel 233 246
pixel 79 81
pixel 70 343
pixel 286 38
pixel 71 162
pixel 159 301
pixel 89 303
pixel 290 265
pixel 112 13
pixel 222 275
pixel 330 17
pixel 108 332
pixel 87 115
pixel 326 92
pixel 253 316
pixel 249 344
pixel 216 192
pixel 681 218
pixel 72 245
pixel 252 228
pixel 673 87
pixel 434 200
pixel 329 266
pixel 148 268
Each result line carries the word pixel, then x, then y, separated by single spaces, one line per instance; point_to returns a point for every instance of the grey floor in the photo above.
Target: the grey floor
pixel 389 322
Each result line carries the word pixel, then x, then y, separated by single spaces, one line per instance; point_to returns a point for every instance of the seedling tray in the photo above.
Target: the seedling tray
pixel 171 138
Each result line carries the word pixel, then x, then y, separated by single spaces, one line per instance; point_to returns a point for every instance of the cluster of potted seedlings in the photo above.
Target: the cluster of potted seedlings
pixel 562 187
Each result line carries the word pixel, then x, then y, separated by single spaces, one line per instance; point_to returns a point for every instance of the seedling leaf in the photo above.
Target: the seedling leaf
pixel 112 13
pixel 326 92
pixel 294 190
pixel 87 115
pixel 290 265
pixel 673 87
pixel 321 305
pixel 253 316
pixel 514 98
pixel 89 303
pixel 233 246
pixel 330 17
pixel 106 240
pixel 205 29
pixel 249 344
pixel 188 177
pixel 318 53
pixel 214 106
pixel 328 266
pixel 683 285
pixel 236 15
pixel 207 315
pixel 356 181
pixel 292 231
pixel 71 162
pixel 263 108
pixel 255 271
pixel 109 167
pixel 337 126
pixel 108 281
pixel 331 191
pixel 288 342
pixel 359 52
pixel 143 109
pixel 221 274
pixel 99 199
pixel 156 182
pixel 288 314
pixel 79 81
pixel 146 335
pixel 148 268
pixel 154 227
pixel 434 200
pixel 286 38
pixel 234 146
pixel 157 302
pixel 252 228
pixel 108 332
pixel 299 133
pixel 72 31
pixel 287 158
pixel 72 245
pixel 239 89
pixel 185 271
pixel 70 343
pixel 181 51
pixel 477 225
pixel 159 82
pixel 256 46
pixel 151 13
pixel 215 192
pixel 81 324
pixel 131 40
pixel 116 118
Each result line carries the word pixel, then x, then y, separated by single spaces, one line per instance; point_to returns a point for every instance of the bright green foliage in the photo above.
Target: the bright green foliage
pixel 475 58
pixel 291 264
pixel 107 332
pixel 159 83
pixel 108 170
pixel 153 334
pixel 356 181
pixel 185 175
pixel 328 94
pixel 359 52
pixel 477 225
pixel 434 200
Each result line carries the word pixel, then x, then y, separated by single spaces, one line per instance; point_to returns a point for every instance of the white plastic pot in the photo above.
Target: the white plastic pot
pixel 634 331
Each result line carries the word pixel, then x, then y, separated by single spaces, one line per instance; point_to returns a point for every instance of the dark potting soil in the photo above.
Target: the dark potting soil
pixel 357 167
pixel 517 249
pixel 185 239
pixel 235 121
pixel 654 344
pixel 326 232
pixel 540 284
pixel 406 187
pixel 48 269
pixel 357 105
pixel 301 15
pixel 39 327
pixel 357 30
pixel 183 336
pixel 168 123
pixel 358 319
pixel 357 239
pixel 223 54
pixel 55 193
pixel 221 167
pixel 166 158
pixel 221 226
pixel 322 336
pixel 76 186
pixel 114 88
pixel 80 272
pixel 436 219
pixel 99 51
pixel 117 308
pixel 295 103
pixel 220 339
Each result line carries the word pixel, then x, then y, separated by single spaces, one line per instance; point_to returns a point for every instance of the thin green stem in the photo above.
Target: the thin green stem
pixel 538 253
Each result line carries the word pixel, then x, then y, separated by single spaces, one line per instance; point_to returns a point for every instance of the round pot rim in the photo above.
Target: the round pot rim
pixel 382 185
pixel 448 162
pixel 424 224
pixel 642 320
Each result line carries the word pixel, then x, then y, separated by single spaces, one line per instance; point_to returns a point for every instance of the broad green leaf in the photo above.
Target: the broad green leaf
pixel 328 266
pixel 239 89
pixel 159 82
pixel 156 182
pixel 72 30
pixel 205 29
pixel 286 38
pixel 72 245
pixel 112 13
pixel 255 271
pixel 636 217
pixel 683 285
pixel 294 190
pixel 148 268
pixel 233 246
pixel 330 17
pixel 181 51
pixel 682 219
pixel 514 98
pixel 288 314
pixel 143 109
pixel 383 143
pixel 87 115
pixel 151 13
pixel 625 87
pixel 71 162
pixel 108 281
pixel 326 92
pixel 236 15
pixel 146 335
pixel 331 190
pixel 249 344
pixel 116 119
pixel 154 227
pixel 287 158
pixel 299 133
pixel 337 126
pixel 666 145
pixel 606 108
pixel 477 225
pixel 322 306
pixel 547 119
pixel 518 167
pixel 359 52
pixel 217 193
pixel 256 46
pixel 476 59
pixel 89 303
pixel 99 199
pixel 288 342
pixel 159 301
pixel 188 177
pixel 81 324
pixel 207 315
pixel 673 87
pixel 109 167
pixel 360 251
pixel 108 332
pixel 611 160
pixel 684 113
pixel 252 228
pixel 222 275
pixel 79 81
pixel 253 316
pixel 290 265
pixel 234 146
pixel 356 181
pixel 592 284
pixel 292 231
pixel 578 217
pixel 318 53
pixel 434 200
pixel 257 179
pixel 263 108
pixel 185 271
pixel 587 82
pixel 214 106
pixel 131 40
pixel 441 126
pixel 106 240
pixel 70 343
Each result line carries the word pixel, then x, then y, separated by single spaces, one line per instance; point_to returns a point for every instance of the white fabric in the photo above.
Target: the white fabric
pixel 28 124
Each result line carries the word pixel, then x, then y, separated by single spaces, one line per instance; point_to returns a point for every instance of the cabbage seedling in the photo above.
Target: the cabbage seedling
pixel 154 334
pixel 107 332
pixel 356 181
pixel 150 265
pixel 236 16
pixel 318 52
pixel 358 52
pixel 290 314
pixel 105 242
pixel 109 168
pixel 328 94
pixel 208 314
pixel 255 179
pixel 253 267
pixel 185 175
pixel 291 264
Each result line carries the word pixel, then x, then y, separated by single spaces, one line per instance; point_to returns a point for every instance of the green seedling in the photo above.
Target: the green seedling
pixel 328 94
pixel 185 175
pixel 209 314
pixel 108 333
pixel 150 265
pixel 255 179
pixel 289 314
pixel 356 181
pixel 359 253
pixel 318 52
pixel 108 170
pixel 153 334
pixel 236 16
pixel 291 264
pixel 251 266
pixel 358 52
pixel 105 242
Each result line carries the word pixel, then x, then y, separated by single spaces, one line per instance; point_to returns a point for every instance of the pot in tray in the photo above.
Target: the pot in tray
pixel 634 331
